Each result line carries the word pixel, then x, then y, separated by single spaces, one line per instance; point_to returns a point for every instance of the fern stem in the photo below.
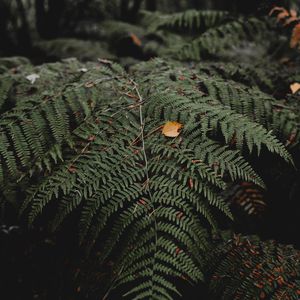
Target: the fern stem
pixel 152 214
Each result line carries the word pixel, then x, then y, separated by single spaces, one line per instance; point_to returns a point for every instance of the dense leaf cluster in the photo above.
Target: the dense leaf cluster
pixel 85 140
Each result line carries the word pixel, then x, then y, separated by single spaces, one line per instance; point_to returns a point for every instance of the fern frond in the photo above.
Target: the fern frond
pixel 5 86
pixel 192 20
pixel 247 268
pixel 246 197
pixel 98 144
pixel 215 41
pixel 37 124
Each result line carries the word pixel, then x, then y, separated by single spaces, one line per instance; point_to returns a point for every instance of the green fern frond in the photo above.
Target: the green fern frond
pixel 216 40
pixel 5 86
pixel 97 141
pixel 247 268
pixel 38 124
pixel 192 20
pixel 246 197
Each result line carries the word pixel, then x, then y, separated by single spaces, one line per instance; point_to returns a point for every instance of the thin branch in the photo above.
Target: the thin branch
pixel 152 214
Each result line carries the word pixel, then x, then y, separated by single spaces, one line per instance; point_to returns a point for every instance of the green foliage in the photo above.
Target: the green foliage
pixel 215 41
pixel 246 198
pixel 89 139
pixel 7 63
pixel 247 268
pixel 81 49
pixel 193 20
pixel 218 35
pixel 86 140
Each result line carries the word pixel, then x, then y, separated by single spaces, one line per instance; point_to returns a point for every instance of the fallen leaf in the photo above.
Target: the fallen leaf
pixel 295 39
pixel 284 60
pixel 290 20
pixel 132 96
pixel 83 70
pixel 72 169
pixel 262 295
pixel 191 183
pixel 91 138
pixel 32 78
pixel 142 202
pixel 291 139
pixel 178 251
pixel 171 129
pixel 105 61
pixel 179 215
pixel 295 87
pixel 276 8
pixel 89 84
pixel 136 40
pixel 293 12
pixel 282 15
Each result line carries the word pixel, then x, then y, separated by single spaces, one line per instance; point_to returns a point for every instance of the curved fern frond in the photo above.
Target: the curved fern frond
pixel 216 40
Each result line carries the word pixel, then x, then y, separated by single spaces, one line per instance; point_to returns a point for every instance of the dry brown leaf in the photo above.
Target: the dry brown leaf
pixel 284 60
pixel 136 40
pixel 105 61
pixel 72 169
pixel 293 13
pixel 295 39
pixel 290 20
pixel 171 129
pixel 282 15
pixel 276 8
pixel 262 295
pixel 295 87
pixel 91 138
pixel 89 84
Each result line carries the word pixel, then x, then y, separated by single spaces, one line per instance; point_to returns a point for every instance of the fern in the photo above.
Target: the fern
pixel 216 40
pixel 269 75
pixel 6 85
pixel 36 129
pixel 215 34
pixel 247 268
pixel 246 197
pixel 96 140
pixel 191 20
pixel 67 47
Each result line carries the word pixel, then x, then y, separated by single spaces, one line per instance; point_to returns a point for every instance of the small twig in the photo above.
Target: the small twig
pixel 136 140
pixel 97 133
pixel 140 137
pixel 147 187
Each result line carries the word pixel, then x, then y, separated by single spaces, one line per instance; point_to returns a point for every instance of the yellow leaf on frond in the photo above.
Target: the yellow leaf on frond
pixel 171 129
pixel 295 87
